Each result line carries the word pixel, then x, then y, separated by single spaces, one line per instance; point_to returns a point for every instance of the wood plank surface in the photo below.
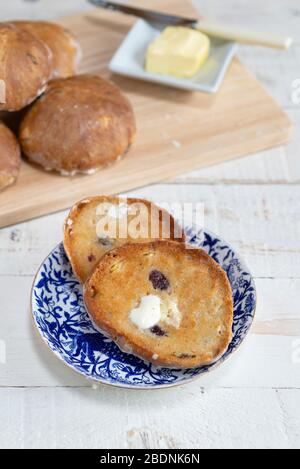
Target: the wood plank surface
pixel 250 402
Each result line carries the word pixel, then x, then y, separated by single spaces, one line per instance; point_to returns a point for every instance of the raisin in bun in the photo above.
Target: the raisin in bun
pixel 79 125
pixel 25 66
pixel 63 45
pixel 86 238
pixel 163 302
pixel 10 157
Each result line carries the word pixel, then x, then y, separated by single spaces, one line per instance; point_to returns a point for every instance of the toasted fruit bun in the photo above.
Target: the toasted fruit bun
pixel 63 45
pixel 85 243
pixel 10 157
pixel 25 67
pixel 195 323
pixel 80 124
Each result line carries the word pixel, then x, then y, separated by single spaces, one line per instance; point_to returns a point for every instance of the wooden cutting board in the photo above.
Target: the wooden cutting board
pixel 178 131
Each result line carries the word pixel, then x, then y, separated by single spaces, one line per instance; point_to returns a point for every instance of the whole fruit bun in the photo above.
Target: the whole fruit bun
pixel 25 67
pixel 63 45
pixel 10 157
pixel 79 125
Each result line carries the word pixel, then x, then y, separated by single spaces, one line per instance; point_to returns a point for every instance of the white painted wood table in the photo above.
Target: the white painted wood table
pixel 254 203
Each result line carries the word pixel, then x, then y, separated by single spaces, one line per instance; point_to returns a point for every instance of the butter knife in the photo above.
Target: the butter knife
pixel 211 28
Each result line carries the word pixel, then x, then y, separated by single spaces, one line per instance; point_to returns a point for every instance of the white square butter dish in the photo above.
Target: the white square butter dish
pixel 129 60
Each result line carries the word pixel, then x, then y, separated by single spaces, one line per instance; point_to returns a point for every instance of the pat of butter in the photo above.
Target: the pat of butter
pixel 147 314
pixel 152 310
pixel 170 313
pixel 178 51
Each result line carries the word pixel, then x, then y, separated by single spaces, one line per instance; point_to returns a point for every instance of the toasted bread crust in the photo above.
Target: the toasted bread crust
pixel 81 124
pixel 80 238
pixel 197 282
pixel 10 157
pixel 63 45
pixel 25 66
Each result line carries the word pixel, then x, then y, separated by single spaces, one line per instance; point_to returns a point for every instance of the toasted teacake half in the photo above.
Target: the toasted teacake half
pixel 164 302
pixel 86 238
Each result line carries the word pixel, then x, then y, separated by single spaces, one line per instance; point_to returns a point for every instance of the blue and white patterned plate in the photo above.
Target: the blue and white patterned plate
pixel 61 318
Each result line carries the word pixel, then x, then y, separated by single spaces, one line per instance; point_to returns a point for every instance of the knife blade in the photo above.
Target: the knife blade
pixel 149 15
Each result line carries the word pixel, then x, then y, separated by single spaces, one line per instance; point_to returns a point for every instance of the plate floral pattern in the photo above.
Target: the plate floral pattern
pixel 63 322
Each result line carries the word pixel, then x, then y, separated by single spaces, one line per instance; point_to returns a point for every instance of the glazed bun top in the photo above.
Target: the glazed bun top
pixel 79 125
pixel 25 66
pixel 63 45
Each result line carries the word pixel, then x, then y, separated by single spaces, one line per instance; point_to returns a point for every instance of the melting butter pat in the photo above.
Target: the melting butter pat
pixel 151 310
pixel 147 314
pixel 170 313
pixel 178 51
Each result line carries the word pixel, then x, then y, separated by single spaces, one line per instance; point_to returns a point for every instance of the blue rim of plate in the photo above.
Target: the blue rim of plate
pixel 61 318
